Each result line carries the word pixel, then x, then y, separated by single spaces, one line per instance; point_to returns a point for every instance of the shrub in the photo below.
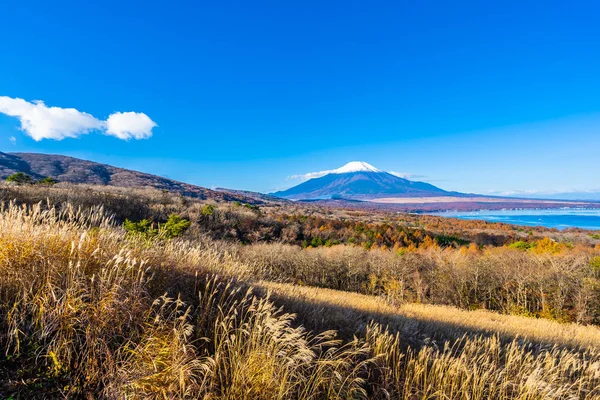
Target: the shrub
pixel 253 207
pixel 520 245
pixel 329 242
pixel 144 227
pixel 208 210
pixel 19 178
pixel 316 242
pixel 47 181
pixel 595 264
pixel 175 226
pixel 547 245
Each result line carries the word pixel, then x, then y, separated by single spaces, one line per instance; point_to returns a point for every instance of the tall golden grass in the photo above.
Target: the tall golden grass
pixel 562 286
pixel 415 322
pixel 481 368
pixel 88 311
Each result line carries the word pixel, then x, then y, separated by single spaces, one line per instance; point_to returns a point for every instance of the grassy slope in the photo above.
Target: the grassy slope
pixel 354 311
pixel 86 310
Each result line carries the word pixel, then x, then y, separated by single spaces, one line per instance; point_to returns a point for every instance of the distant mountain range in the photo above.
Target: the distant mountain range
pixel 75 170
pixel 359 180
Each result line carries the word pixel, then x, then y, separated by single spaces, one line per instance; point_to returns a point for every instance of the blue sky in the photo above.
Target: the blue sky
pixel 474 96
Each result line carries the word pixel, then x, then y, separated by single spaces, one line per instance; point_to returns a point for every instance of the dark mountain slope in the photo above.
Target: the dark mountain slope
pixel 75 170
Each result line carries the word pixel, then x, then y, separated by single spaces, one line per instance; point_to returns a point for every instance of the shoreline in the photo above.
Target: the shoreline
pixel 545 217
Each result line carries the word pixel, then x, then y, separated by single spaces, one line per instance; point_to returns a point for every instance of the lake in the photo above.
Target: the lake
pixel 552 218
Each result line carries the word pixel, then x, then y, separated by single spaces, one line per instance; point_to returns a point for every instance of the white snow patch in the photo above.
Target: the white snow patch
pixel 355 166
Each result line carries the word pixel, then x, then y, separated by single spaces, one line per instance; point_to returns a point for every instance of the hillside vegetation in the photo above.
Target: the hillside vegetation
pixel 93 308
pixel 59 168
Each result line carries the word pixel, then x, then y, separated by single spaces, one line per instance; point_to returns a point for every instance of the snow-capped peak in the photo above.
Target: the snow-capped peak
pixel 355 166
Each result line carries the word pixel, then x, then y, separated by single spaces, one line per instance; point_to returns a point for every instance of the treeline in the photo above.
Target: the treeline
pixel 21 178
pixel 561 285
pixel 302 225
pixel 231 221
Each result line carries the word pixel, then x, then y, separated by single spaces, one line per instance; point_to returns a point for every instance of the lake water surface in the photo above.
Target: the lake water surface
pixel 555 218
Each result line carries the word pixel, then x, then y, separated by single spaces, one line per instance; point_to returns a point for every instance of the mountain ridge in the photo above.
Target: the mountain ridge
pixel 80 171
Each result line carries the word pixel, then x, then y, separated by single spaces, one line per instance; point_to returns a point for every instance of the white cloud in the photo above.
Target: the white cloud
pixel 42 122
pixel 310 175
pixel 13 140
pixel 127 125
pixel 407 175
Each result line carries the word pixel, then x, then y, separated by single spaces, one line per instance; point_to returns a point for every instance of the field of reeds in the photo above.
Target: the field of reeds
pixel 89 310
pixel 420 323
pixel 561 285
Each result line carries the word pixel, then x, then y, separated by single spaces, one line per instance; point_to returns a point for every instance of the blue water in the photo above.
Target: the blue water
pixel 555 218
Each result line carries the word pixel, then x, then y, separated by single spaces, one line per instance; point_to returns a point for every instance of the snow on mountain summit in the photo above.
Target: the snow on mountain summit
pixel 355 166
pixel 357 180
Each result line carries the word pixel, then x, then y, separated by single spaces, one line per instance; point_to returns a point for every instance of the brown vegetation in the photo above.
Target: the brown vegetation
pixel 419 323
pixel 564 286
pixel 88 310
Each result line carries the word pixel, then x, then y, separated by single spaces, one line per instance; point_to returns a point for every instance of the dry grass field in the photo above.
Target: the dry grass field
pixel 90 310
pixel 356 311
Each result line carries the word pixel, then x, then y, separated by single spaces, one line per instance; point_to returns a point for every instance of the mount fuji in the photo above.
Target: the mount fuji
pixel 359 180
